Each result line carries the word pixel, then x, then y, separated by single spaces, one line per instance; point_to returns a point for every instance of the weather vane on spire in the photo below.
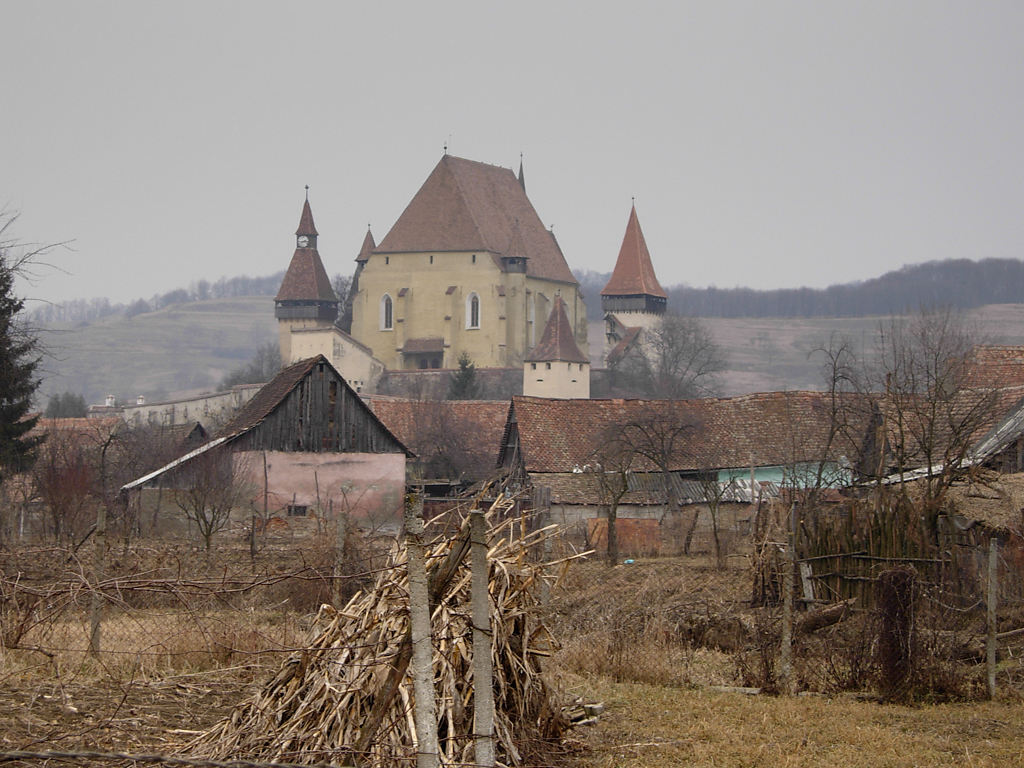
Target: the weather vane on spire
pixel 307 193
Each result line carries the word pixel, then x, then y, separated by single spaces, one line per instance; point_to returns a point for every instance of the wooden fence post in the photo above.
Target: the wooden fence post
pixel 992 599
pixel 483 683
pixel 99 567
pixel 786 651
pixel 425 714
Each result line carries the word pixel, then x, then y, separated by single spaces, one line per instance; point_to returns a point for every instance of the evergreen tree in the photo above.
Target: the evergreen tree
pixel 18 360
pixel 67 405
pixel 464 384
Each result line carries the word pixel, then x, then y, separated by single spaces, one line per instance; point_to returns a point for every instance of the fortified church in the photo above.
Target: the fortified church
pixel 468 268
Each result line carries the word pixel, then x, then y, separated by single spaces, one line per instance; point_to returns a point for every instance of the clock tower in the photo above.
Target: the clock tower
pixel 306 299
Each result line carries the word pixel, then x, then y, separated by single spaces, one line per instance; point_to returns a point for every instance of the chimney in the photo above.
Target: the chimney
pixel 140 400
pixel 109 401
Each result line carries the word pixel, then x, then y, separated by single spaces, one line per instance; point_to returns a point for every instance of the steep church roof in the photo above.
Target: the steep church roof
pixel 465 205
pixel 558 341
pixel 634 272
pixel 306 278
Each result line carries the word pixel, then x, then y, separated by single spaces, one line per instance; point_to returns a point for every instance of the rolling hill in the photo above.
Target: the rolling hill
pixel 188 348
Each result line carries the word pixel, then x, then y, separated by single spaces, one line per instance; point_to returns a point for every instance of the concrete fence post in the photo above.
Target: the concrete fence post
pixel 425 715
pixel 483 672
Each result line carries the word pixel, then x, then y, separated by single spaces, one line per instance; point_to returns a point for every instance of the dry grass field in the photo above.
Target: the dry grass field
pixel 629 638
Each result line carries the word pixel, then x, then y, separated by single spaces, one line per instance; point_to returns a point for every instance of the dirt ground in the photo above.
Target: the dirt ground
pixel 643 725
pixel 137 716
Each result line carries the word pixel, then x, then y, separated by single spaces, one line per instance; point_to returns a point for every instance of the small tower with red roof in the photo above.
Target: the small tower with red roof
pixel 306 298
pixel 633 299
pixel 556 367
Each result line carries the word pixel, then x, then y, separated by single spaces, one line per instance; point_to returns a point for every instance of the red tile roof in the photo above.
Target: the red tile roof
pixel 996 366
pixel 429 344
pixel 431 426
pixel 306 226
pixel 465 205
pixel 634 273
pixel 768 429
pixel 558 341
pixel 624 345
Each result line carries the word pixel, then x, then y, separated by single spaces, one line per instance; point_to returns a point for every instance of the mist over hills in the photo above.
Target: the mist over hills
pixel 959 283
pixel 185 341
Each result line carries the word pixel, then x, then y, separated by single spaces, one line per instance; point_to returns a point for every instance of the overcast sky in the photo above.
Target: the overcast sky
pixel 768 144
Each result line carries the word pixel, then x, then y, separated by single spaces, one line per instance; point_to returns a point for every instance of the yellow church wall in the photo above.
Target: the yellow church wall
pixel 429 294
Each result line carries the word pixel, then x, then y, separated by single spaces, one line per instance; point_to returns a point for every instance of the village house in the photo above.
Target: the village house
pixel 306 444
pixel 652 458
pixel 455 441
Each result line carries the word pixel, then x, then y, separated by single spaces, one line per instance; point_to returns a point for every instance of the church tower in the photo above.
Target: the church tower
pixel 306 299
pixel 633 297
pixel 556 367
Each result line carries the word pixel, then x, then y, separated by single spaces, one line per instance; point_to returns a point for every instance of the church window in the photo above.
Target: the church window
pixel 533 366
pixel 472 311
pixel 431 258
pixel 547 366
pixel 474 258
pixel 387 313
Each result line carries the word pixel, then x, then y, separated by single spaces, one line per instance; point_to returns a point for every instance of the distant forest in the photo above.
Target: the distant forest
pixel 958 283
pixel 79 311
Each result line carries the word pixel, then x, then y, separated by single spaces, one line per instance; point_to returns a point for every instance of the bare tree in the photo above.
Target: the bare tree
pixel 714 493
pixel 932 414
pixel 610 465
pixel 676 358
pixel 660 432
pixel 211 486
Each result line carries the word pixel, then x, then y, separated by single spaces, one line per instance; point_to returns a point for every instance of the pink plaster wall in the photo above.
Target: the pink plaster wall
pixel 370 486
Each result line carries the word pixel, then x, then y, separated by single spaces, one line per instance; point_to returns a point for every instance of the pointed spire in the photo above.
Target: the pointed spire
pixel 558 341
pixel 306 226
pixel 522 177
pixel 367 247
pixel 634 273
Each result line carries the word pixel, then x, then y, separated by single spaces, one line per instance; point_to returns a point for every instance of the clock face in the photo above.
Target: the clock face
pixel 303 241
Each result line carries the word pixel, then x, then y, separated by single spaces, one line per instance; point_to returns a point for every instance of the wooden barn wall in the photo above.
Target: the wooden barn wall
pixel 321 414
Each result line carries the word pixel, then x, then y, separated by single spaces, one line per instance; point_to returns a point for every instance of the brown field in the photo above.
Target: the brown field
pixel 639 638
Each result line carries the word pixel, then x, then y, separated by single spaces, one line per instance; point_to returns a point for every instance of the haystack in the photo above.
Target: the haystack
pixel 347 699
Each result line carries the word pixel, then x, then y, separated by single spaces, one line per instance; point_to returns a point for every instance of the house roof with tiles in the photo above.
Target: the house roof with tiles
pixel 766 429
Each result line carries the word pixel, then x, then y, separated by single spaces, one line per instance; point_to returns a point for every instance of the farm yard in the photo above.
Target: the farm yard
pixel 673 648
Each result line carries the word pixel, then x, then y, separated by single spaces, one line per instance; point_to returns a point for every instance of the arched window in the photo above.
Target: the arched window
pixel 387 313
pixel 472 311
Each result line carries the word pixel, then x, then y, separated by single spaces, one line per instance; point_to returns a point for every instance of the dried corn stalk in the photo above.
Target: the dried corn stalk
pixel 324 703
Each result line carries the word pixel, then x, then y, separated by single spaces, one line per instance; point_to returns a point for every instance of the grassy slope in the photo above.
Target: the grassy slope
pixel 172 352
pixel 775 353
pixel 189 348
